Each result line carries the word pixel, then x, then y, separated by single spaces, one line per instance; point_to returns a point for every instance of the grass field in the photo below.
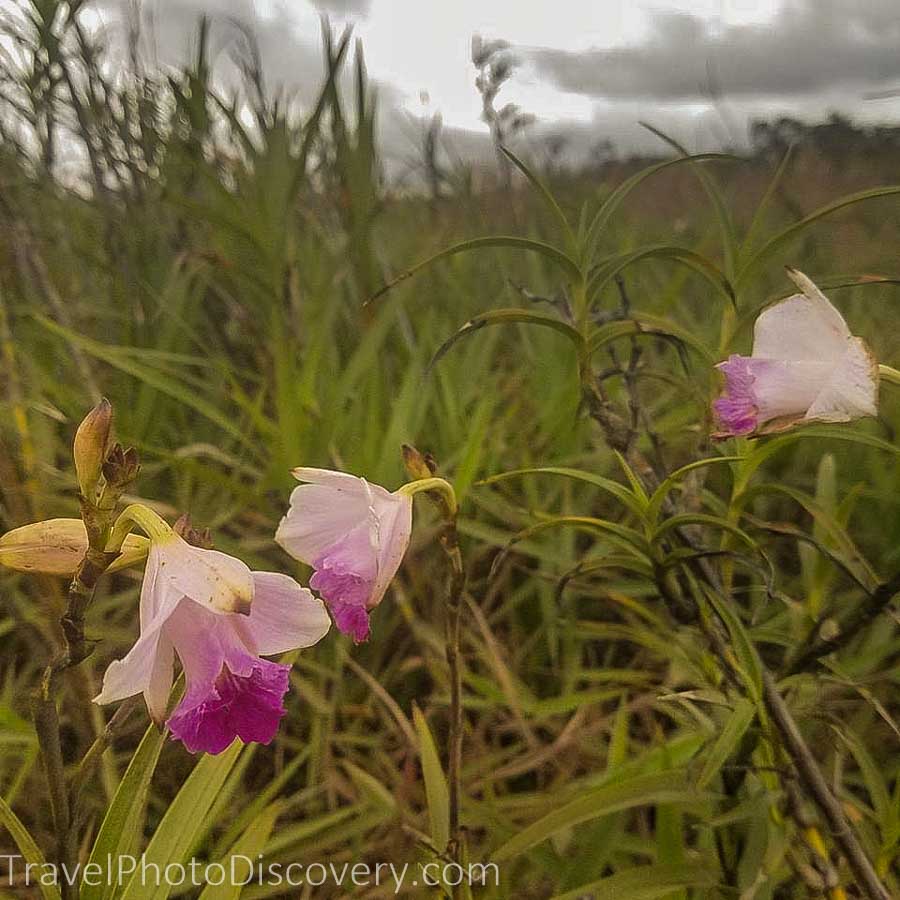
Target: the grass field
pixel 212 283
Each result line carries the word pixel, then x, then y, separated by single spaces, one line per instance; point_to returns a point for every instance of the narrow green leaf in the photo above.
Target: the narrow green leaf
pixel 680 521
pixel 148 375
pixel 850 553
pixel 621 535
pixel 778 242
pixel 548 251
pixel 249 846
pixel 508 317
pixel 636 484
pixel 608 269
pixel 660 494
pixel 641 790
pixel 720 207
pixel 738 722
pixel 645 882
pixel 184 820
pixel 643 324
pixel 763 204
pixel 436 792
pixel 614 200
pixel 750 313
pixel 119 834
pixel 27 847
pixel 886 811
pixel 617 751
pixel 770 446
pixel 745 650
pixel 620 492
pixel 545 193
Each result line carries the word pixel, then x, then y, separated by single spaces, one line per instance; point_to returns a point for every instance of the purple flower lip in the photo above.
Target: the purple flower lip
pixel 736 409
pixel 345 592
pixel 249 707
pixel 350 619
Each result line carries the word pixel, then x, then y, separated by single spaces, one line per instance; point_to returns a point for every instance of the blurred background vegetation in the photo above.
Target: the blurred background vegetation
pixel 207 271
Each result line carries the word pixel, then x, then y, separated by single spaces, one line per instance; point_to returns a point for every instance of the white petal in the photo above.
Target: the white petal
pixel 131 675
pixel 329 478
pixel 156 693
pixel 139 670
pixel 321 514
pixel 803 327
pixel 783 388
pixel 154 589
pixel 852 389
pixel 284 616
pixel 342 481
pixel 394 514
pixel 215 580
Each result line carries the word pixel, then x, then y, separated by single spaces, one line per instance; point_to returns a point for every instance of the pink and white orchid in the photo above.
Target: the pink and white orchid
pixel 805 366
pixel 218 617
pixel 354 534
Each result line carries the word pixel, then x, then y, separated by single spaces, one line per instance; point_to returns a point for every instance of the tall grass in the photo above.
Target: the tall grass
pixel 210 277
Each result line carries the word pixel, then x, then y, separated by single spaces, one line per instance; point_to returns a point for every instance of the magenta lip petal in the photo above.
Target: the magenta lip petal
pixel 246 706
pixel 350 619
pixel 736 408
pixel 344 589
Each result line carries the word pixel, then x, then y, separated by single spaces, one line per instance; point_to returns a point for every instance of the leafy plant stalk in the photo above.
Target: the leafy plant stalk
pixel 789 734
pixel 104 474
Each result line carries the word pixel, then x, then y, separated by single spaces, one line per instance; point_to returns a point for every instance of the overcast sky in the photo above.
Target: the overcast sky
pixel 589 69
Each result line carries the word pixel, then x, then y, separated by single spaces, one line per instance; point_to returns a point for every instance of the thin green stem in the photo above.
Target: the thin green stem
pixel 889 374
pixel 153 525
pixel 446 501
pixel 450 543
pixel 437 485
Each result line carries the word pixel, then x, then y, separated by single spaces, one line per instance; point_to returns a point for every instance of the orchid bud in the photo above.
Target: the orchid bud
pixel 57 547
pixel 121 466
pixel 196 537
pixel 91 446
pixel 418 465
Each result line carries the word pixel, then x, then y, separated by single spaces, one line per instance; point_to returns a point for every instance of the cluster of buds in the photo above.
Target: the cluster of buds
pixel 104 470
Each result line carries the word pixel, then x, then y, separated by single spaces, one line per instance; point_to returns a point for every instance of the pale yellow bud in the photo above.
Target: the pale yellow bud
pixel 57 547
pixel 91 446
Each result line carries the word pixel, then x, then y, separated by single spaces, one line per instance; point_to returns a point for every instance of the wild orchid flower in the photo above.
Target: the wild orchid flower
pixel 354 534
pixel 805 366
pixel 219 618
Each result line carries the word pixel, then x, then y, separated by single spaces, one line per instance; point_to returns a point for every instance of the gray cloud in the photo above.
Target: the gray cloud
pixel 291 61
pixel 343 7
pixel 813 46
pixel 818 56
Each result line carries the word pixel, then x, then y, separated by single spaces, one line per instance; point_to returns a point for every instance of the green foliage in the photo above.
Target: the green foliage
pixel 228 286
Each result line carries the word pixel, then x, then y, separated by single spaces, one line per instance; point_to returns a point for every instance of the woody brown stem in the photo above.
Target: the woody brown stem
pixel 46 716
pixel 789 734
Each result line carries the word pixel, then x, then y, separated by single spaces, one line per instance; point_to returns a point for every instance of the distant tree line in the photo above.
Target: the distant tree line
pixel 837 137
